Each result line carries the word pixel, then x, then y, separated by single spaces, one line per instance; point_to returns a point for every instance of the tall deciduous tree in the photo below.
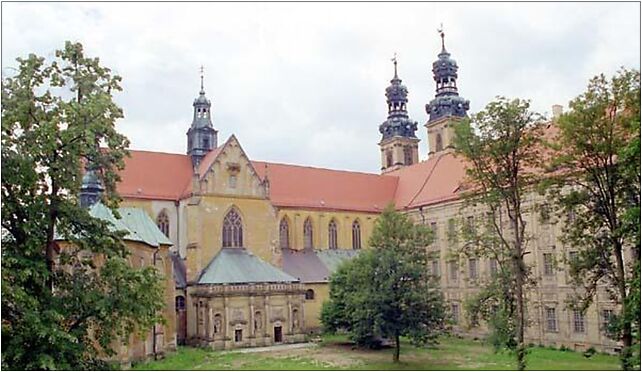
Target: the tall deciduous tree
pixel 501 145
pixel 597 164
pixel 55 114
pixel 386 291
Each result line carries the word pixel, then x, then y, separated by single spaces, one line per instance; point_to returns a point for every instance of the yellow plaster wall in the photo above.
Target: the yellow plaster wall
pixel 204 212
pixel 312 308
pixel 320 221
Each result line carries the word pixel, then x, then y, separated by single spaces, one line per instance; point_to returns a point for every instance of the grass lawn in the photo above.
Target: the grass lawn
pixel 335 353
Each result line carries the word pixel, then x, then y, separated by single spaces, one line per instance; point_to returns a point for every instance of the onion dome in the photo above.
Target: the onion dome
pixel 91 189
pixel 447 101
pixel 398 122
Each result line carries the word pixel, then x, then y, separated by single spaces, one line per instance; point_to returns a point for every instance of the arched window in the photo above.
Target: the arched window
pixel 356 235
pixel 284 233
pixel 162 221
pixel 309 294
pixel 232 230
pixel 438 142
pixel 388 159
pixel 332 235
pixel 307 234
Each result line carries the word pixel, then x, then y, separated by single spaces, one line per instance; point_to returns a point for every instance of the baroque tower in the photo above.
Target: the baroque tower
pixel 399 145
pixel 201 136
pixel 447 107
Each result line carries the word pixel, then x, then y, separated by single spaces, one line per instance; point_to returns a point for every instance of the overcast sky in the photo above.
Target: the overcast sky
pixel 304 83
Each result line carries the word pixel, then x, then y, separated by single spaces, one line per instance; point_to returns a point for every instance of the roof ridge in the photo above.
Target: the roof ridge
pixel 321 168
pixel 157 152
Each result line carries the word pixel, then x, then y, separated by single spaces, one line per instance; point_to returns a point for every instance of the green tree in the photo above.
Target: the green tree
pixel 385 292
pixel 597 184
pixel 501 145
pixel 63 308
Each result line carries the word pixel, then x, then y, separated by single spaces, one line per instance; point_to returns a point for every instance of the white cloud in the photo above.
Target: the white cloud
pixel 304 83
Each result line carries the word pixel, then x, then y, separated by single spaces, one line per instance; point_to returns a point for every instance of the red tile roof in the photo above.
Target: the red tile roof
pixel 155 175
pixel 319 188
pixel 432 181
pixel 162 176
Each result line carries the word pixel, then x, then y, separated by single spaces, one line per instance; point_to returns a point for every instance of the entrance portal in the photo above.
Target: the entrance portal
pixel 278 335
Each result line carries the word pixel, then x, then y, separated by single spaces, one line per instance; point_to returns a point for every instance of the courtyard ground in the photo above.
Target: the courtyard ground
pixel 334 352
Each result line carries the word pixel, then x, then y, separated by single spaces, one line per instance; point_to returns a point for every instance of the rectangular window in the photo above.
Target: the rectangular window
pixel 551 319
pixel 493 266
pixel 433 228
pixel 454 268
pixel 472 268
pixel 435 267
pixel 454 308
pixel 548 264
pixel 572 257
pixel 452 230
pixel 232 181
pixel 238 335
pixel 607 316
pixel 470 224
pixel 579 325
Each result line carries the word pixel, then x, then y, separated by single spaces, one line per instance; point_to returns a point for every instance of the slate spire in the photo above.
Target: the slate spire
pixel 398 122
pixel 201 136
pixel 447 101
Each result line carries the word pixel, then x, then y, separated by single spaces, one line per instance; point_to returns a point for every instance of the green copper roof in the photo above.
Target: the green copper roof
pixel 135 222
pixel 237 265
pixel 332 258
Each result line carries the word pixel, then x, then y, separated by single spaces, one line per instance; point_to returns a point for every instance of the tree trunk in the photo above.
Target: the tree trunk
pixel 395 356
pixel 518 266
pixel 627 334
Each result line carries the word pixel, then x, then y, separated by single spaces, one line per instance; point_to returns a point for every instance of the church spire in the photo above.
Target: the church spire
pixel 91 189
pixel 447 106
pixel 398 140
pixel 201 136
pixel 447 101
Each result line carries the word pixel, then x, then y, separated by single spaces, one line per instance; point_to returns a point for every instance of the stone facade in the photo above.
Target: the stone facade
pixel 233 316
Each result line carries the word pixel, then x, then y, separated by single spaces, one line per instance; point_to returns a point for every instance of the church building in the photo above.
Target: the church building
pixel 254 243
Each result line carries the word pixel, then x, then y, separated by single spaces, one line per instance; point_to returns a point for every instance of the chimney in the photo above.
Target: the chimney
pixel 557 111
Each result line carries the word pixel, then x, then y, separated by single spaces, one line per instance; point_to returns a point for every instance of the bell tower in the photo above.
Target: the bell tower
pixel 399 145
pixel 447 107
pixel 201 136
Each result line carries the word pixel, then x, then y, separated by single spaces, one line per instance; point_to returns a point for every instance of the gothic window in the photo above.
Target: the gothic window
pixel 162 221
pixel 284 233
pixel 454 268
pixel 438 143
pixel 232 230
pixel 356 235
pixel 332 235
pixel 307 234
pixel 388 159
pixel 407 155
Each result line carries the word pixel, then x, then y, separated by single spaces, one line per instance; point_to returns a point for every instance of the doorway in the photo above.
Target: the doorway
pixel 278 335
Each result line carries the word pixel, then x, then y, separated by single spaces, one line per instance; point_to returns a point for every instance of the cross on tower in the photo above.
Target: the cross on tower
pixel 394 60
pixel 440 30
